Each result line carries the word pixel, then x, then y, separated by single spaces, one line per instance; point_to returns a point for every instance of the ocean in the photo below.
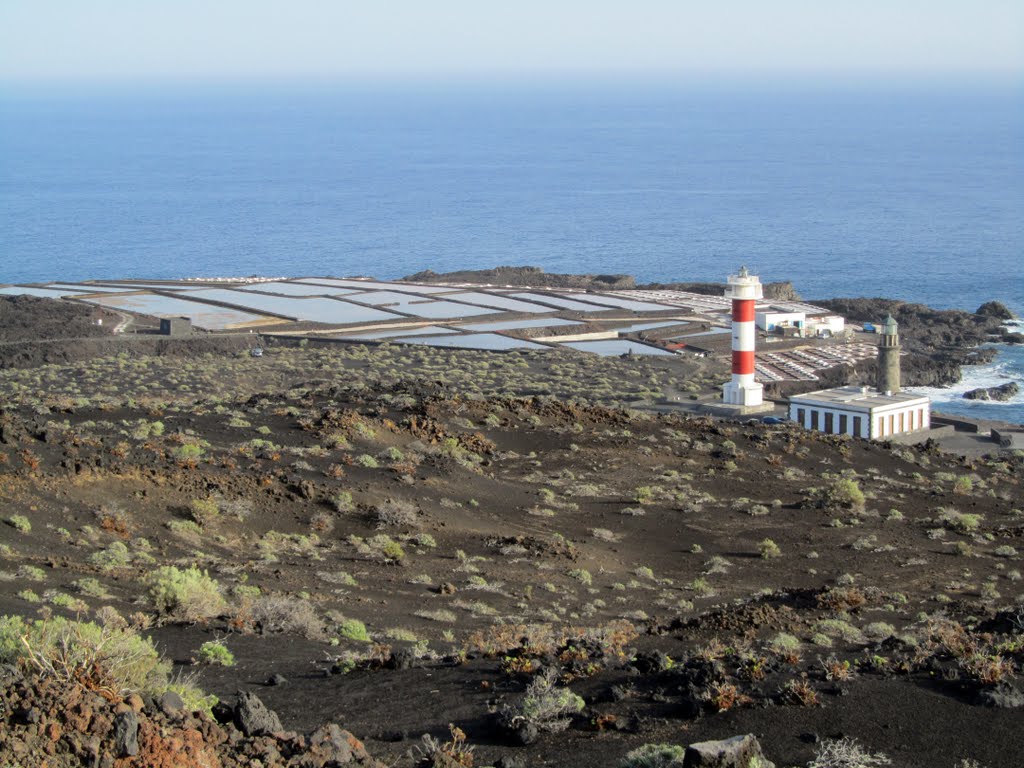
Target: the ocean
pixel 908 192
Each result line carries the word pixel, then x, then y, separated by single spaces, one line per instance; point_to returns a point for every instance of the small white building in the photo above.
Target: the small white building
pixel 770 319
pixel 825 325
pixel 861 412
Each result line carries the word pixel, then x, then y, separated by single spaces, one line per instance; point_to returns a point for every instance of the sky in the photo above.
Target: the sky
pixel 73 40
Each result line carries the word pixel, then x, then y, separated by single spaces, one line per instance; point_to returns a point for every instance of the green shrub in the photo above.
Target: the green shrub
pixel 114 658
pixel 769 549
pixel 246 592
pixel 845 492
pixel 203 511
pixel 701 586
pixel 643 494
pixel 184 527
pixel 215 652
pixel 784 642
pixel 116 555
pixel 188 452
pixel 961 522
pixel 963 485
pixel 31 572
pixel 185 595
pixel 654 756
pixel 20 523
pixel 391 454
pixel 424 540
pixel 91 587
pixel 545 705
pixel 64 600
pixel 342 501
pixel 191 694
pixel 581 575
pixel 438 614
pixel 367 461
pixel 353 629
pixel 879 630
pixel 387 548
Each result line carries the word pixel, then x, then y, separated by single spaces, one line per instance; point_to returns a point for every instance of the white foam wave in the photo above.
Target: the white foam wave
pixel 1009 366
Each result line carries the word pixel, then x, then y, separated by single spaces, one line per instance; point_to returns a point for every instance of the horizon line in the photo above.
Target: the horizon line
pixel 535 78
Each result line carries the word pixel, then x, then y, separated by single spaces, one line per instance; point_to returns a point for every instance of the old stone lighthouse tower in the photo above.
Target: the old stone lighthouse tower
pixel 888 375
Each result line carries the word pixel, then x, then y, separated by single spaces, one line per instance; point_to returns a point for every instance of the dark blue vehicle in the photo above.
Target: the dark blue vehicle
pixel 773 420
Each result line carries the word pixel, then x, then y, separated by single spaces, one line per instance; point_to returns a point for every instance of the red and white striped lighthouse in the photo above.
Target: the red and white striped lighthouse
pixel 744 290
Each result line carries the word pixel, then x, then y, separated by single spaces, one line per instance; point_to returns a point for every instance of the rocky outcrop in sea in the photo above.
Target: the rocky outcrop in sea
pixel 1002 393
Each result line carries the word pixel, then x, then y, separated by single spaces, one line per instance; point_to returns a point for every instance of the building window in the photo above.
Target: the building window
pixel 814 419
pixel 881 427
pixel 842 424
pixel 903 427
pixel 828 422
pixel 856 426
pixel 801 415
pixel 892 423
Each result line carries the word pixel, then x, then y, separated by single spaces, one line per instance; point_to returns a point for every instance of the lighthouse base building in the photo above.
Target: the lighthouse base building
pixel 876 414
pixel 861 412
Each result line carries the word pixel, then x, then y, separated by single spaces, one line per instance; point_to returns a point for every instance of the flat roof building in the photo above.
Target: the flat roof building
pixel 861 412
pixel 175 326
pixel 770 318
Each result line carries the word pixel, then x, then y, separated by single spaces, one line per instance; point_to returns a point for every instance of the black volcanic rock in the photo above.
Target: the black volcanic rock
pixel 1001 393
pixel 532 277
pixel 995 309
pixel 30 318
pixel 253 717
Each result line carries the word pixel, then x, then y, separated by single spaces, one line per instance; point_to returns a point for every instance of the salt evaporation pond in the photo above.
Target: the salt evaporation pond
pixel 295 289
pixel 421 306
pixel 502 302
pixel 83 288
pixel 316 310
pixel 612 347
pixel 712 332
pixel 146 286
pixel 631 304
pixel 476 341
pixel 647 326
pixel 202 315
pixel 427 330
pixel 44 293
pixel 563 302
pixel 374 285
pixel 512 325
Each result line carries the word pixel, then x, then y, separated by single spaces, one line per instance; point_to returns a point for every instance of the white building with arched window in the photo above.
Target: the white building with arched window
pixel 861 412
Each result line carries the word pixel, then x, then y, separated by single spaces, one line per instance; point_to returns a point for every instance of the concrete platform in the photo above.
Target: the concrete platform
pixel 728 411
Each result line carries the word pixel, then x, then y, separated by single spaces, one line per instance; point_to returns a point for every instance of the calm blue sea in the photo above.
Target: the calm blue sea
pixel 914 193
